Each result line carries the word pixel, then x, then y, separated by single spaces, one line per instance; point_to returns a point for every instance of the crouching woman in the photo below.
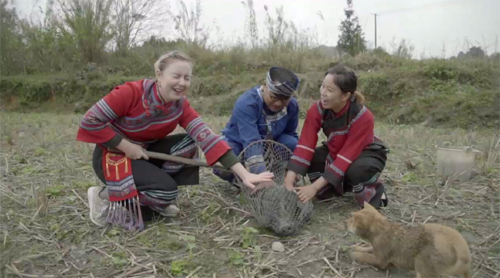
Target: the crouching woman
pixel 352 158
pixel 139 116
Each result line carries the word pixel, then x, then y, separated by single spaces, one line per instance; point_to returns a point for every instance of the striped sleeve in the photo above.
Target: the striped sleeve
pixel 301 159
pixel 360 135
pixel 94 126
pixel 210 143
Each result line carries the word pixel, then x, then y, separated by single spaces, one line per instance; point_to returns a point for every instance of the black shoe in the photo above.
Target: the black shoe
pixel 380 198
pixel 384 200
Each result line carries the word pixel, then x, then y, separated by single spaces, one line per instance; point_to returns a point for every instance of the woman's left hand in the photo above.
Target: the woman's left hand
pixel 306 193
pixel 249 179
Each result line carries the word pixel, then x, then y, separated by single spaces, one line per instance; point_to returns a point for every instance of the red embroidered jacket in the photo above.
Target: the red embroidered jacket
pixel 348 132
pixel 135 111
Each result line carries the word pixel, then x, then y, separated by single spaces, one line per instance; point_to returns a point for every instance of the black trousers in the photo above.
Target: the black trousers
pixel 363 171
pixel 152 177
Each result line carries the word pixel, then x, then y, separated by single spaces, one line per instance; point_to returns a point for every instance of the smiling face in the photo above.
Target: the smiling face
pixel 274 102
pixel 174 80
pixel 332 96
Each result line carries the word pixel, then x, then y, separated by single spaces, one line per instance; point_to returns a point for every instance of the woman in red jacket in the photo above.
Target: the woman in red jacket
pixel 352 158
pixel 138 116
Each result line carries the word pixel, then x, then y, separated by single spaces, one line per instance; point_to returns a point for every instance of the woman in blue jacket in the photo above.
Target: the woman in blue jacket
pixel 264 112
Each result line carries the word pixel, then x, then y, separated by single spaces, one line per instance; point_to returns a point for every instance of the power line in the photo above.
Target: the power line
pixel 409 9
pixel 387 12
pixel 423 6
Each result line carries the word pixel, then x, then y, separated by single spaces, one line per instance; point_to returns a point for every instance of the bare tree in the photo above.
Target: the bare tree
pixel 135 19
pixel 251 23
pixel 276 27
pixel 188 24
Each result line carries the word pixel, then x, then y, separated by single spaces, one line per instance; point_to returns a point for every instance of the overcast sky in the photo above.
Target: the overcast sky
pixel 432 26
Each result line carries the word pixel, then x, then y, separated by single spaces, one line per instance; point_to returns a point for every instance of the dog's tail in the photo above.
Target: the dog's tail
pixel 462 262
pixel 460 268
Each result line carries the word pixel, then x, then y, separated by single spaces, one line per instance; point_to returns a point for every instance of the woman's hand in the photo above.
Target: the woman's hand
pixel 131 150
pixel 290 180
pixel 248 178
pixel 263 185
pixel 306 193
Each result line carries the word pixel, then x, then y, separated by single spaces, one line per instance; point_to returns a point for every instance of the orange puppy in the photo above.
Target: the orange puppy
pixel 431 250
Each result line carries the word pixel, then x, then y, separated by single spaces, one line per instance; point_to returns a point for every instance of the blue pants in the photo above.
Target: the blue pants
pixel 289 141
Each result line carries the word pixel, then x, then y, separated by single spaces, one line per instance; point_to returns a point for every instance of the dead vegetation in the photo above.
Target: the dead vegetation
pixel 46 231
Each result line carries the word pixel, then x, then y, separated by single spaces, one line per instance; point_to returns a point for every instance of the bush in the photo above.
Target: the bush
pixel 435 93
pixel 473 72
pixel 454 93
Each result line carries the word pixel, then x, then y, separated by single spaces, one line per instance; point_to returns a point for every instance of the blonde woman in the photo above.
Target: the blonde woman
pixel 138 116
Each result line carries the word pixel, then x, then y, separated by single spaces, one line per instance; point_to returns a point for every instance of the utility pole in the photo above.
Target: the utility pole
pixel 375 31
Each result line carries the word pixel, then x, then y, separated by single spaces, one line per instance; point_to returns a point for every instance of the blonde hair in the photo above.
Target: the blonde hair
pixel 167 58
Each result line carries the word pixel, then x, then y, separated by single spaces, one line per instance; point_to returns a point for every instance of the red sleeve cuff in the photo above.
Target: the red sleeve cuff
pixel 216 152
pixel 333 175
pixel 298 165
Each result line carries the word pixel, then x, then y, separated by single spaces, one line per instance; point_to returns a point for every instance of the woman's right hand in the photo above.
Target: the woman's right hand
pixel 132 150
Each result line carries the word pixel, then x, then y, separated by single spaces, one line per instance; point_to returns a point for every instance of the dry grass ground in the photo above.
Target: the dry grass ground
pixel 46 231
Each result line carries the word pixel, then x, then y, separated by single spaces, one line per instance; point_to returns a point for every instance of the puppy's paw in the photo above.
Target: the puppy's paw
pixel 356 248
pixel 362 249
pixel 356 255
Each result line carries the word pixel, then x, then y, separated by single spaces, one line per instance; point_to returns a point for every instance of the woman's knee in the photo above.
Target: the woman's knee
pixel 177 145
pixel 319 158
pixel 147 176
pixel 172 144
pixel 364 172
pixel 361 173
pixel 289 141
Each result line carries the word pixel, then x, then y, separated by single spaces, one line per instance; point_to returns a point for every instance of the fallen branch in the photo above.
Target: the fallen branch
pixel 192 273
pixel 80 197
pixel 332 268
